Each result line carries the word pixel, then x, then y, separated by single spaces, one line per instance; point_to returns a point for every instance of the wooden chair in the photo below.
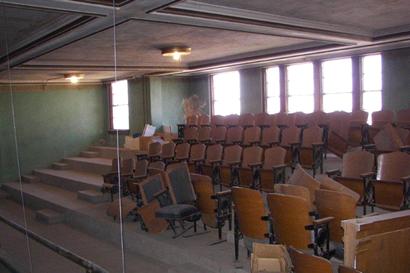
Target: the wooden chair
pixel 191 135
pixel 403 118
pixel 338 134
pixel 148 189
pixel 213 158
pixel 140 173
pixel 181 152
pixel 273 170
pixel 327 183
pixel 310 152
pixel 251 136
pixel 192 121
pixel 301 178
pixel 285 120
pixel 153 153
pixel 217 121
pixel 294 190
pixel 290 140
pixel 251 162
pixel 228 168
pixel 167 152
pixel 112 179
pixel 357 126
pixel 379 120
pixel 204 121
pixel 234 135
pixel 232 120
pixel 262 120
pixel 306 263
pixel 250 216
pixel 178 201
pixel 215 207
pixel 246 120
pixel 270 136
pixel 156 167
pixel 292 223
pixel 218 134
pixel 355 165
pixel 301 120
pixel 196 158
pixel 391 188
pixel 204 134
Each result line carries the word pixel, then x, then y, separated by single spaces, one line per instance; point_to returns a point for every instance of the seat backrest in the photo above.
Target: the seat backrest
pixel 168 150
pixel 218 120
pixel 178 181
pixel 204 120
pixel 356 163
pixel 327 183
pixel 358 118
pixel 204 190
pixel 234 134
pixel 320 118
pixel 381 118
pixel 246 120
pixel 141 167
pixel 232 120
pixel 250 155
pixel 272 120
pixel 251 134
pixel 154 148
pixel 197 152
pixel 191 133
pixel 270 135
pixel 232 154
pixel 149 187
pixel 335 204
pixel 156 167
pixel 218 133
pixel 312 135
pixel 249 209
pixel 126 165
pixel 301 178
pixel 214 152
pixel 285 119
pixel 262 119
pixel 182 150
pixel 204 133
pixel 301 119
pixel 290 135
pixel 290 215
pixel 403 117
pixel 192 120
pixel 393 166
pixel 294 190
pixel 306 263
pixel 273 156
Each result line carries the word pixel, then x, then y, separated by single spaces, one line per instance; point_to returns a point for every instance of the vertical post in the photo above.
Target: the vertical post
pixel 356 83
pixel 317 85
pixel 282 87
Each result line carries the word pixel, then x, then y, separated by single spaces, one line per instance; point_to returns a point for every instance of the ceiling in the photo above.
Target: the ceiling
pixel 43 40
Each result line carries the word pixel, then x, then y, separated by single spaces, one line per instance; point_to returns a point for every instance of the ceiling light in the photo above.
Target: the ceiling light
pixel 176 52
pixel 74 78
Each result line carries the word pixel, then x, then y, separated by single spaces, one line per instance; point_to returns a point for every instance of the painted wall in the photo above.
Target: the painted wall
pixel 52 122
pixel 396 79
pixel 251 90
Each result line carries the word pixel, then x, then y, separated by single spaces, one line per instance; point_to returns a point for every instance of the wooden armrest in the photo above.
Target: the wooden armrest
pixel 294 143
pixel 221 194
pixel 215 162
pixel 255 164
pixel 367 175
pixel 266 218
pixel 369 146
pixel 282 126
pixel 108 186
pixel 158 194
pixel 254 142
pixel 406 178
pixel 232 164
pixel 317 144
pixel 322 221
pixel 280 166
pixel 334 172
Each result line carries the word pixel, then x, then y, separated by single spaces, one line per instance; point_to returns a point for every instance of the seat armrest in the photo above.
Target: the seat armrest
pixel 215 162
pixel 406 179
pixel 221 194
pixel 233 164
pixel 302 126
pixel 280 166
pixel 282 126
pixel 368 147
pixel 317 144
pixel 266 218
pixel 323 221
pixel 405 148
pixel 367 175
pixel 335 172
pixel 255 164
pixel 254 142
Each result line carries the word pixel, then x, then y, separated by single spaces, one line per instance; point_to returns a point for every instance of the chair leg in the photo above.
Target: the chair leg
pixel 236 239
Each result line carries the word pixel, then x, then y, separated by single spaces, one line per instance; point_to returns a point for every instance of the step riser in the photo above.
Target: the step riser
pixel 112 153
pixel 64 183
pixel 89 154
pixel 87 167
pixel 110 231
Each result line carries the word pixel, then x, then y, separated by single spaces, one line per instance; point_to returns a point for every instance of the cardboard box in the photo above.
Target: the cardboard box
pixel 268 258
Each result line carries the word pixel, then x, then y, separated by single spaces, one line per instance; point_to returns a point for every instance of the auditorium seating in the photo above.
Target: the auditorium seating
pixel 229 165
pixel 273 169
pixel 310 152
pixel 213 158
pixel 197 156
pixel 247 171
pixel 112 178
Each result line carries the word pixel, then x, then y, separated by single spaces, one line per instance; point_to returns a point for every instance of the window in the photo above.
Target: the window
pixel 300 88
pixel 371 84
pixel 119 105
pixel 226 93
pixel 272 90
pixel 337 85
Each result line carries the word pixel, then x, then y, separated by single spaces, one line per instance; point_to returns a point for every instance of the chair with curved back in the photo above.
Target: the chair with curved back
pixel 301 178
pixel 246 120
pixel 229 166
pixel 403 118
pixel 217 121
pixel 250 216
pixel 294 190
pixel 191 135
pixel 251 136
pixel 213 158
pixel 273 169
pixel 262 120
pixel 270 136
pixel 204 120
pixel 196 158
pixel 232 120
pixel 234 135
pixel 251 161
pixel 290 140
pixel 306 263
pixel 358 124
pixel 167 151
pixel 218 134
pixel 182 152
pixel 112 178
pixel 204 134
pixel 310 152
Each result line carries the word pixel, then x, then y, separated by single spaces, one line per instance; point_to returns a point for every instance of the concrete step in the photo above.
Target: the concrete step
pixel 60 166
pixel 111 152
pixel 92 219
pixel 89 154
pixel 97 165
pixel 70 179
pixel 49 216
pixel 30 179
pixel 94 196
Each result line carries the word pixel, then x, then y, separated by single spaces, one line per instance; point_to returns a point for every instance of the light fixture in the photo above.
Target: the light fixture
pixel 74 78
pixel 176 52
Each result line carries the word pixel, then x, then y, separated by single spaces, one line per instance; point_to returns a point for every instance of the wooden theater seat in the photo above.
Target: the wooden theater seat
pixel 251 162
pixel 273 170
pixel 191 135
pixel 229 166
pixel 232 120
pixel 218 134
pixel 153 153
pixel 246 120
pixel 197 156
pixel 403 118
pixel 117 178
pixel 290 140
pixel 204 134
pixel 217 121
pixel 234 135
pixel 167 152
pixel 250 216
pixel 310 152
pixel 301 178
pixel 204 120
pixel 357 125
pixel 213 158
pixel 251 136
pixel 270 136
pixel 262 120
pixel 181 152
pixel 294 190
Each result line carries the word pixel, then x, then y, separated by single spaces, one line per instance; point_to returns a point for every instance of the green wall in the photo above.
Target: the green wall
pixel 396 79
pixel 52 122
